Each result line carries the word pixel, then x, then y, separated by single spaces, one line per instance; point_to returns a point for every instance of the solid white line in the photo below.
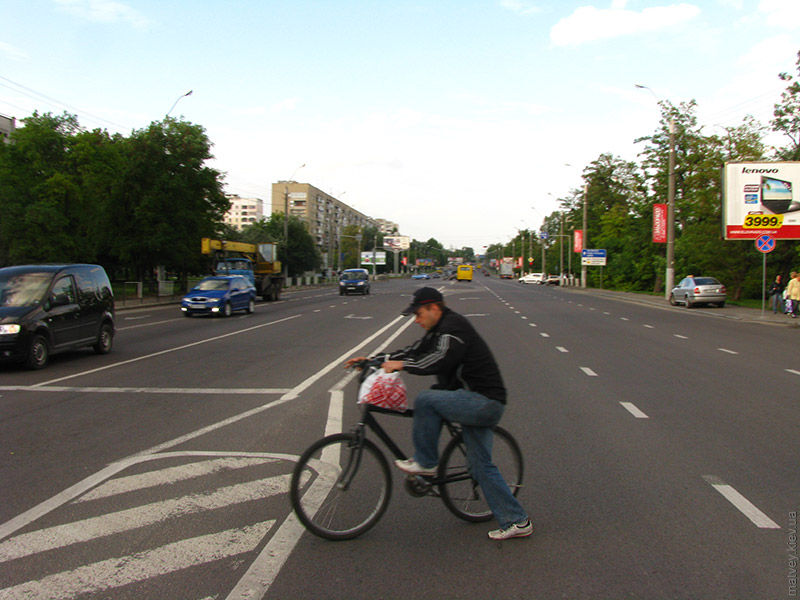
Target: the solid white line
pixel 746 507
pixel 143 390
pixel 728 351
pixel 170 475
pixel 588 371
pixel 93 528
pixel 125 570
pixel 793 372
pixel 167 351
pixel 631 408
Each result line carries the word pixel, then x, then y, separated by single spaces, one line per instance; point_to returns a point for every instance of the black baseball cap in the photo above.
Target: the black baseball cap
pixel 423 296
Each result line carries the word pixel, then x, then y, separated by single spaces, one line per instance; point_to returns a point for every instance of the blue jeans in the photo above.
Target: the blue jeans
pixel 477 414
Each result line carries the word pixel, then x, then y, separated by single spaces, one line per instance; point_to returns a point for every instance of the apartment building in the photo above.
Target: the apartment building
pixel 243 211
pixel 7 127
pixel 387 227
pixel 324 216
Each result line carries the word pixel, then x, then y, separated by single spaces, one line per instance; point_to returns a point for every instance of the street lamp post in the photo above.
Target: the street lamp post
pixel 286 224
pixel 584 233
pixel 174 104
pixel 669 276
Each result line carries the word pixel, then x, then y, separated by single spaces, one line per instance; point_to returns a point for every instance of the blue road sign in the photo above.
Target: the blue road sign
pixel 765 243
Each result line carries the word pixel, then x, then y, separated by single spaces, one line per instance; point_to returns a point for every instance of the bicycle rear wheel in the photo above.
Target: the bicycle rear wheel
pixel 340 487
pixel 460 492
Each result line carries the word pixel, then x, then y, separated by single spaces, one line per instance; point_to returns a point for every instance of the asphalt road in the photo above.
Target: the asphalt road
pixel 661 450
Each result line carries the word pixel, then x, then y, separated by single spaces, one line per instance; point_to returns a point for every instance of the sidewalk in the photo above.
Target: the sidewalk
pixel 729 311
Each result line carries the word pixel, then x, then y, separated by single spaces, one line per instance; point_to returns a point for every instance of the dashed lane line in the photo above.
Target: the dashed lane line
pixel 634 410
pixel 747 508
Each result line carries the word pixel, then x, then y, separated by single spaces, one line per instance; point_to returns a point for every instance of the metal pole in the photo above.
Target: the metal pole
pixel 189 93
pixel 585 233
pixel 670 274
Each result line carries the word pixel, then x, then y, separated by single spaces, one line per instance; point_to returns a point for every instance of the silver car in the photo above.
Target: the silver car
pixel 698 290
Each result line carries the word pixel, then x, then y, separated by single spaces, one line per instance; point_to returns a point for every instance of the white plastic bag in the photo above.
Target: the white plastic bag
pixel 386 390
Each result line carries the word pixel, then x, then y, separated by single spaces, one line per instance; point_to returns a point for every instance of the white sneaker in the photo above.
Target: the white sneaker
pixel 412 467
pixel 523 529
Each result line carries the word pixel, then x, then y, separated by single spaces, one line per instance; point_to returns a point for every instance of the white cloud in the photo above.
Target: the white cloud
pixel 784 14
pixel 12 52
pixel 588 24
pixel 104 11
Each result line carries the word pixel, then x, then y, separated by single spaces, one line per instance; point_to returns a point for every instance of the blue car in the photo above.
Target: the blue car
pixel 220 295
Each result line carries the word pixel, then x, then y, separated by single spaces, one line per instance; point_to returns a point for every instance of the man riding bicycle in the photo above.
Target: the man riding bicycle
pixel 469 390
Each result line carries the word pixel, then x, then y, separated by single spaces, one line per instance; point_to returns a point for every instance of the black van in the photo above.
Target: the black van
pixel 46 309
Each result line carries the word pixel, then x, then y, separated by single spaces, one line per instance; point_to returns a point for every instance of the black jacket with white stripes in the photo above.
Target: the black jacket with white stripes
pixel 454 352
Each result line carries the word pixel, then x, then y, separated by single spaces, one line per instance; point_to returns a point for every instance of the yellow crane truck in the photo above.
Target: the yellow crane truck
pixel 257 262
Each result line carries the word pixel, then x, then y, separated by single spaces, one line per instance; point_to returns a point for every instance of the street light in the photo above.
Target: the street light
pixel 669 276
pixel 189 93
pixel 286 224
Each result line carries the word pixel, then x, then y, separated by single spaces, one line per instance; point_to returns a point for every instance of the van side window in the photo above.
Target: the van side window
pixel 65 288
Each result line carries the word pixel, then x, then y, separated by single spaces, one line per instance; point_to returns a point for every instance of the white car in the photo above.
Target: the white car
pixel 532 278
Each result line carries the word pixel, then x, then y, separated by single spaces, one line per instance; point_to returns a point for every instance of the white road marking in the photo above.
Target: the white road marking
pixel 649 326
pixel 624 319
pixel 631 408
pixel 125 570
pixel 544 335
pixel 169 475
pixel 93 528
pixel 588 371
pixel 746 507
pixel 167 351
pixel 561 349
pixel 727 351
pixel 793 372
pixel 680 337
pixel 144 390
pixel 532 324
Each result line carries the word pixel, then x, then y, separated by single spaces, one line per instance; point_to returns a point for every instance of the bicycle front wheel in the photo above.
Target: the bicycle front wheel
pixel 340 486
pixel 460 491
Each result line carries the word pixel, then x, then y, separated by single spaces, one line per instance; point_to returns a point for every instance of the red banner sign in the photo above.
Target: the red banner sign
pixel 659 223
pixel 577 245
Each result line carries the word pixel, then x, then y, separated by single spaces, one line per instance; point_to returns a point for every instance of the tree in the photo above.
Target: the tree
pixel 169 199
pixel 303 254
pixel 787 115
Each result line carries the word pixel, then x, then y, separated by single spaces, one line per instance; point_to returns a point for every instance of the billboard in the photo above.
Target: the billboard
pixel 397 242
pixel 758 198
pixel 367 258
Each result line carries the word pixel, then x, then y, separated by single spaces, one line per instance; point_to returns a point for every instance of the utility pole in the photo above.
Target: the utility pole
pixel 585 233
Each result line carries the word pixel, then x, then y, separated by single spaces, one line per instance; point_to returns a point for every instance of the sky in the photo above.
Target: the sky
pixel 460 120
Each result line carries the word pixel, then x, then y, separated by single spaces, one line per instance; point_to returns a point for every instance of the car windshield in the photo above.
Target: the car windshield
pixel 24 289
pixel 351 276
pixel 705 281
pixel 212 284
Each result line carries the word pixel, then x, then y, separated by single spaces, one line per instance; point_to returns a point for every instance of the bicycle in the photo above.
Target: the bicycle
pixel 341 485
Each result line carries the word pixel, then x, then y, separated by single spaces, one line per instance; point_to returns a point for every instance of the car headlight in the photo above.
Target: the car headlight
pixel 12 329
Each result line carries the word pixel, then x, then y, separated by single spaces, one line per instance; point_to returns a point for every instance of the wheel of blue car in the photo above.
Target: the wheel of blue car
pixel 226 310
pixel 251 306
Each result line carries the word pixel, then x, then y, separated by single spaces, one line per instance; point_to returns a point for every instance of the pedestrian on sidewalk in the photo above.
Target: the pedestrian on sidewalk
pixel 793 291
pixel 776 294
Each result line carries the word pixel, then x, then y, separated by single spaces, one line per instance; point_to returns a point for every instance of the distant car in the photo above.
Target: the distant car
pixel 45 309
pixel 355 281
pixel 220 296
pixel 553 280
pixel 692 291
pixel 420 276
pixel 532 278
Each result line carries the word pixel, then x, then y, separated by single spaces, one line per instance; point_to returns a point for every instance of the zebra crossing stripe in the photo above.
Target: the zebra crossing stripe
pixel 125 570
pixel 59 536
pixel 170 475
